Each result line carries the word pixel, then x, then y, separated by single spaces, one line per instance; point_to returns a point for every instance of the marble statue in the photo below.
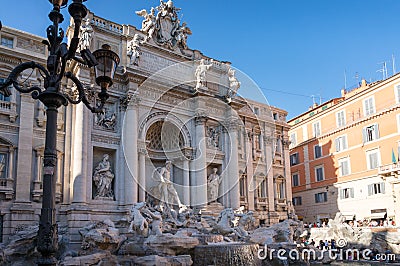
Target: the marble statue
pixel 134 50
pixel 234 85
pixel 155 222
pixel 148 23
pixel 224 222
pixel 213 182
pixel 245 221
pixel 86 32
pixel 138 224
pixel 103 177
pixel 165 190
pixel 200 74
pixel 181 35
pixel 165 28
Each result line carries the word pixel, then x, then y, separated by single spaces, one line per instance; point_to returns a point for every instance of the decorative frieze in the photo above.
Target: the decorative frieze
pixel 106 139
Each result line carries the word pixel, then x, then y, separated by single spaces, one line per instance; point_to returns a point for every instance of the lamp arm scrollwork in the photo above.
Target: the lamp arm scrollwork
pixel 81 95
pixel 13 76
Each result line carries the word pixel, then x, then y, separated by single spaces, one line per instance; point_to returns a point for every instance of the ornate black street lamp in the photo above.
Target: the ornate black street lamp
pixel 105 62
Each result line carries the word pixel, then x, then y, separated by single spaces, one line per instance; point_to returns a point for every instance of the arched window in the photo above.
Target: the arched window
pixel 164 136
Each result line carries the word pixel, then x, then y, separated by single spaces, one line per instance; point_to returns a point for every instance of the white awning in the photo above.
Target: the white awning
pixel 348 217
pixel 378 215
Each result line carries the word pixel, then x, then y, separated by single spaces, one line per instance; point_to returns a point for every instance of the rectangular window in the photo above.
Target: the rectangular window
pixel 373 159
pixel 319 173
pixel 317 151
pixel 293 140
pixel 305 133
pixel 346 193
pixel 295 180
pixel 2 97
pixel 397 93
pixel 297 201
pixel 256 111
pixel 340 119
pixel 294 159
pixel 242 186
pixel 376 188
pixel 316 129
pixel 281 190
pixel 341 143
pixel 3 165
pixel 370 133
pixel 8 42
pixel 344 166
pixel 321 197
pixel 369 106
pixel 262 189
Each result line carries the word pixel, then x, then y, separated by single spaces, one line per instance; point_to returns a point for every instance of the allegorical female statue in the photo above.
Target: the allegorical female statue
pixel 102 178
pixel 213 182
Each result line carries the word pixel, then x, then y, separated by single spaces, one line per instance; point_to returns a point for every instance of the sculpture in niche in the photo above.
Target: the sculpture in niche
pixel 102 178
pixel 86 32
pixel 200 74
pixel 213 182
pixel 165 28
pixel 134 50
pixel 148 23
pixel 234 85
pixel 165 191
pixel 106 119
pixel 213 137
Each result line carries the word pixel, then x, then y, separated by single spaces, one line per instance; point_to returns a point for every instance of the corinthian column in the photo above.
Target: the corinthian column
pixel 199 195
pixel 142 174
pixel 233 165
pixel 130 147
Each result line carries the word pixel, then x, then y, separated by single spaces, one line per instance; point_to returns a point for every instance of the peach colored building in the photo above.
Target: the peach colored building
pixel 344 155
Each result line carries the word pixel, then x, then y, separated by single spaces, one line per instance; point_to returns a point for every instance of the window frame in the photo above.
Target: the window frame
pixel 373 189
pixel 316 168
pixel 320 151
pixel 346 193
pixel 343 143
pixel 297 201
pixel 322 199
pixel 347 160
pixel 298 179
pixel 315 135
pixel 378 158
pixel 292 157
pixel 338 119
pixel 365 105
pixel 9 38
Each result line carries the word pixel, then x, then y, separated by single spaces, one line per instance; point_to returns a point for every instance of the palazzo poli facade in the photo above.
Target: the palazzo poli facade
pixel 168 103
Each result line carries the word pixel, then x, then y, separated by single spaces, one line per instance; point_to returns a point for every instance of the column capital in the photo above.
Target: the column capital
pixel 130 99
pixel 142 151
pixel 201 118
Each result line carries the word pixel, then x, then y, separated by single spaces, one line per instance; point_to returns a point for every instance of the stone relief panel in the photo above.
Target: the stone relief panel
pixel 106 120
pixel 213 136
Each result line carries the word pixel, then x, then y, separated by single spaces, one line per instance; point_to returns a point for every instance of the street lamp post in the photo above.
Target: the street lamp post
pixel 105 62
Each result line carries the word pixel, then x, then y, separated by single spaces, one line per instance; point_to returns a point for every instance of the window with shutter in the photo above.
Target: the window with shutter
pixel 370 133
pixel 369 107
pixel 317 151
pixel 373 159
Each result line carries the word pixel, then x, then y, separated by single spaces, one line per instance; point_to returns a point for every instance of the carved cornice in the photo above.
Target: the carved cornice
pixel 106 139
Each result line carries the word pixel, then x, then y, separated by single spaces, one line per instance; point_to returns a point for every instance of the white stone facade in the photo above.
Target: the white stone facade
pixel 150 118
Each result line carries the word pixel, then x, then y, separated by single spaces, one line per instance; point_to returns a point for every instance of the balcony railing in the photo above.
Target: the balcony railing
pixel 389 169
pixel 7 187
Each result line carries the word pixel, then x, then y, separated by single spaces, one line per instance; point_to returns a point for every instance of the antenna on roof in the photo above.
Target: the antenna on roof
pixel 393 64
pixel 345 79
pixel 357 77
pixel 383 70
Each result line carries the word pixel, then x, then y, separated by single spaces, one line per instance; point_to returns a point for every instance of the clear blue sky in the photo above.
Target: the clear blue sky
pixel 292 49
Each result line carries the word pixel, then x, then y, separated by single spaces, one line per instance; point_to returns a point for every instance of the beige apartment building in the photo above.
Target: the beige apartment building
pixel 344 155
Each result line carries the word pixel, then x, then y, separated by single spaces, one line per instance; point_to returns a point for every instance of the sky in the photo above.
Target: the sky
pixel 297 51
